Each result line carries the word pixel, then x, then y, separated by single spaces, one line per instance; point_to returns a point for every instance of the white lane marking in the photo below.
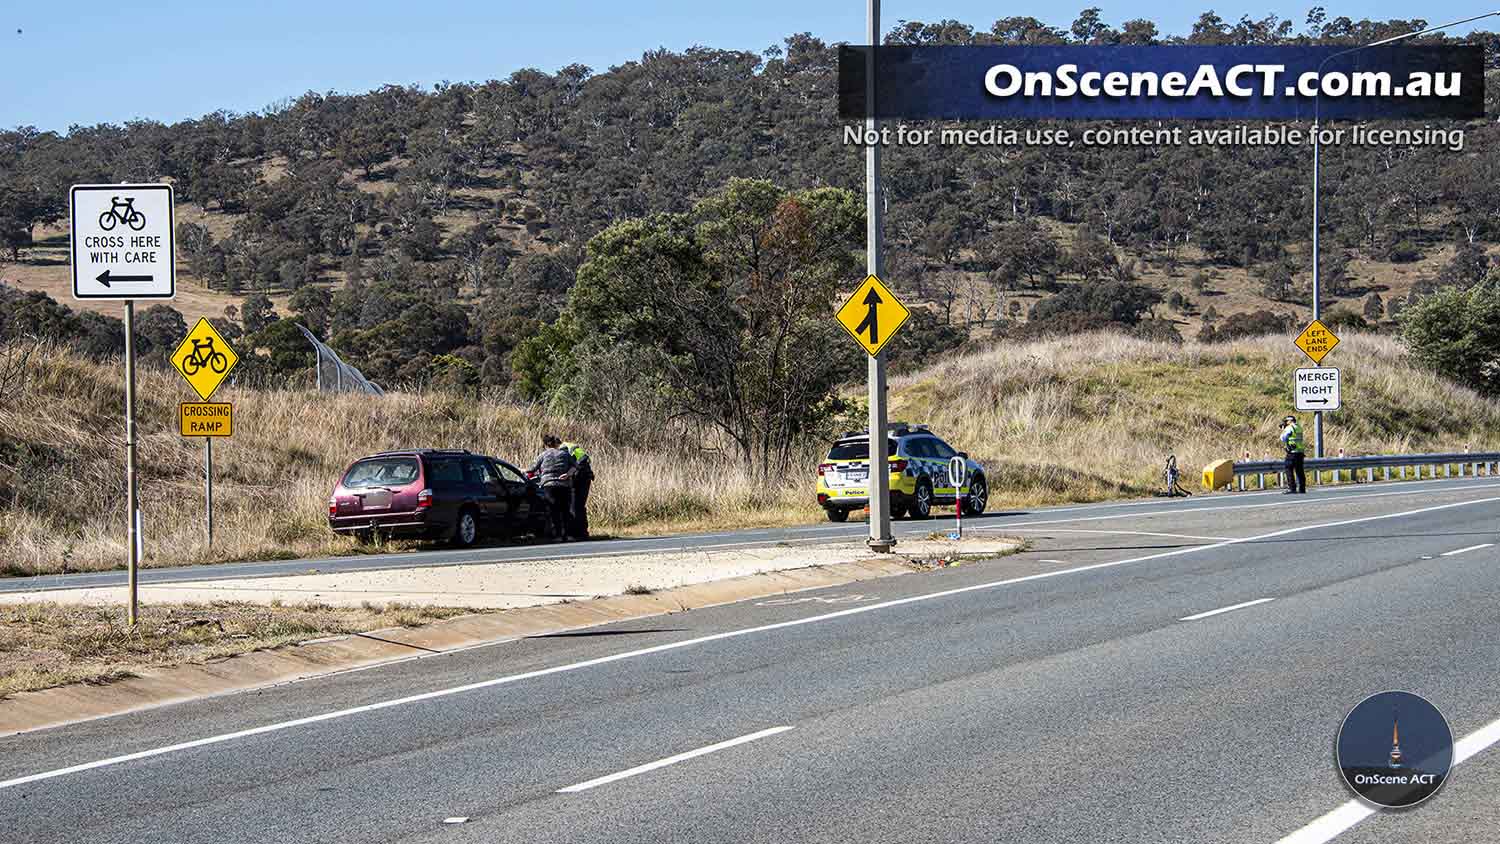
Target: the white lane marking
pixel 1125 532
pixel 670 760
pixel 1064 562
pixel 1226 609
pixel 1179 512
pixel 1458 551
pixel 712 637
pixel 1338 821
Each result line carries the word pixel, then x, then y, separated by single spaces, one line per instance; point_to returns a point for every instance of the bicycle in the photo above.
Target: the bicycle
pixel 131 217
pixel 216 361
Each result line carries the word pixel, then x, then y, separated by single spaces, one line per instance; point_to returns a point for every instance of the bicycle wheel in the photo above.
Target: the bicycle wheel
pixel 218 362
pixel 190 365
pixel 136 221
pixel 107 220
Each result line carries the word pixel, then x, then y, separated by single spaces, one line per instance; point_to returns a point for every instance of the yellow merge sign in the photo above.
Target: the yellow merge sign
pixel 1316 341
pixel 204 359
pixel 873 315
pixel 206 419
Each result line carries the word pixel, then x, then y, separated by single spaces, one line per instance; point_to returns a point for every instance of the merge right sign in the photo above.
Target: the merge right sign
pixel 1317 388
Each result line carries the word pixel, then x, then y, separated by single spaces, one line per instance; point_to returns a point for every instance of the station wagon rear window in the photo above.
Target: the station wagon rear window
pixel 381 471
pixel 855 450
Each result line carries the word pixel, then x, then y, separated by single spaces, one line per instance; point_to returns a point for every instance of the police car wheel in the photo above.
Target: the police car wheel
pixel 977 497
pixel 836 515
pixel 921 501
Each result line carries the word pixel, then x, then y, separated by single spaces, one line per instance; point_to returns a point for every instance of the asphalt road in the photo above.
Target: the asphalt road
pixel 743 538
pixel 1098 687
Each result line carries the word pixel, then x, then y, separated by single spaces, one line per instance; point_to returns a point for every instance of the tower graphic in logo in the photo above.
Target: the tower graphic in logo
pixel 1395 739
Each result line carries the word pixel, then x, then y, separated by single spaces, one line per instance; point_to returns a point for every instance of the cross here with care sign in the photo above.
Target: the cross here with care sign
pixel 122 242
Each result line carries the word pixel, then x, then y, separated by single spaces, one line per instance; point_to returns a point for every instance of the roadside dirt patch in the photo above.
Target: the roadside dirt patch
pixel 45 644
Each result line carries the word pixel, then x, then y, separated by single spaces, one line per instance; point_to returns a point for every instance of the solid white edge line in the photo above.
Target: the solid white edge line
pixel 1338 821
pixel 1189 511
pixel 1225 609
pixel 713 637
pixel 1466 550
pixel 670 760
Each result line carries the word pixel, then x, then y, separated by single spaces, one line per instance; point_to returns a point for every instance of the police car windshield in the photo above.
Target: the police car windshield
pixel 855 450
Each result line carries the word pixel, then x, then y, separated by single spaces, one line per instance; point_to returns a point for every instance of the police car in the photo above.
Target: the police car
pixel 919 475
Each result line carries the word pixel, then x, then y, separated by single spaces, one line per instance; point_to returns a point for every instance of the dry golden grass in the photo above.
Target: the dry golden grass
pixel 1077 419
pixel 1092 416
pixel 44 645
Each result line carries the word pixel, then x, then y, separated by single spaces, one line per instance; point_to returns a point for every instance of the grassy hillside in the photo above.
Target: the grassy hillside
pixel 1077 419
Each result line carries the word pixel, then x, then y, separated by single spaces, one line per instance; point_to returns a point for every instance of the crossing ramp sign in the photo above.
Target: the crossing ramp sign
pixel 204 359
pixel 873 315
pixel 121 242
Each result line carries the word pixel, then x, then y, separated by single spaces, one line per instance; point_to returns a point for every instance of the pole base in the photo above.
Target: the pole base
pixel 881 546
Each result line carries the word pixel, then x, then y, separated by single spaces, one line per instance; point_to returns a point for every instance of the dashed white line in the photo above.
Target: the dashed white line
pixel 1458 551
pixel 699 640
pixel 1225 609
pixel 1338 821
pixel 670 760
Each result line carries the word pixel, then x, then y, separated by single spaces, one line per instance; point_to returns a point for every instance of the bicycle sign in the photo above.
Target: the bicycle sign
pixel 204 359
pixel 122 245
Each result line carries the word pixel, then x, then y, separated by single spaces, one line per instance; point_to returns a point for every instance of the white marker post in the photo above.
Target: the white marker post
pixel 958 474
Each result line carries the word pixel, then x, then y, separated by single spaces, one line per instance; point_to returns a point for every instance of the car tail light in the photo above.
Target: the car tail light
pixel 333 507
pixel 824 467
pixel 898 465
pixel 424 499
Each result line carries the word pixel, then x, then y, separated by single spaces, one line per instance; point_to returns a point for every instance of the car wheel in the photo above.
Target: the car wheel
pixel 836 515
pixel 978 497
pixel 921 501
pixel 466 530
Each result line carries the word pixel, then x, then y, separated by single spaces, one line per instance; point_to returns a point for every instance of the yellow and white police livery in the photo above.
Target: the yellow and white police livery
pixel 919 475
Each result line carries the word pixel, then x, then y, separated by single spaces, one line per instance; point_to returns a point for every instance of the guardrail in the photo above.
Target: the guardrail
pixel 1478 463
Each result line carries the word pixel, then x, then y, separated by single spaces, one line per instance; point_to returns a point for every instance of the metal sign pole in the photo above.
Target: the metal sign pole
pixel 208 487
pixel 1316 293
pixel 880 475
pixel 131 508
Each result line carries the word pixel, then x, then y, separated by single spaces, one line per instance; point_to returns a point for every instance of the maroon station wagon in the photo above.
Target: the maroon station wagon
pixel 431 494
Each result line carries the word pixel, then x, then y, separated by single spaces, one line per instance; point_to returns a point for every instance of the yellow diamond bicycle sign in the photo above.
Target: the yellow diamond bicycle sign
pixel 1316 341
pixel 204 359
pixel 873 315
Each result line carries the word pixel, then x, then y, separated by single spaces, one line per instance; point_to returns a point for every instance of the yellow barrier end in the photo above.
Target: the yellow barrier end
pixel 1218 474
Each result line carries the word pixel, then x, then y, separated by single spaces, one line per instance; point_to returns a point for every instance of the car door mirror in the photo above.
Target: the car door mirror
pixel 964 455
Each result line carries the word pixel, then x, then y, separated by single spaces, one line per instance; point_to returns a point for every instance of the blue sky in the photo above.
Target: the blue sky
pixel 93 61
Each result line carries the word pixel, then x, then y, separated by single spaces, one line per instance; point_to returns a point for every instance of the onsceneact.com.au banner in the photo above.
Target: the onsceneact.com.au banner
pixel 1163 82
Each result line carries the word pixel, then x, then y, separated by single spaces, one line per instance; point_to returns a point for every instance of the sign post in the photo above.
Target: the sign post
pixel 121 248
pixel 958 475
pixel 1316 341
pixel 880 539
pixel 204 359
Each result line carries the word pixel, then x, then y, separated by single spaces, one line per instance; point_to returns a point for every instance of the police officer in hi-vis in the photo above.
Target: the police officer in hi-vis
pixel 1291 436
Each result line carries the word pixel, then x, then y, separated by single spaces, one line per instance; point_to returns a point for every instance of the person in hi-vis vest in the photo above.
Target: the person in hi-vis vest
pixel 583 478
pixel 1291 437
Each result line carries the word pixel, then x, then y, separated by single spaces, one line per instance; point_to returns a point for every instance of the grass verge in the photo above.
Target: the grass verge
pixel 44 644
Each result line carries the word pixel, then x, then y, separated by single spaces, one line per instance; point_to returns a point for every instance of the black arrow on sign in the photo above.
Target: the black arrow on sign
pixel 873 300
pixel 105 278
pixel 1316 401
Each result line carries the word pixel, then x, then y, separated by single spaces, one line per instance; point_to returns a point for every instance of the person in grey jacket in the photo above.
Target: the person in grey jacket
pixel 553 470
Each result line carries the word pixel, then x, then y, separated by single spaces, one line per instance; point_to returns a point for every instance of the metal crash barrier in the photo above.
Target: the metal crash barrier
pixel 1405 466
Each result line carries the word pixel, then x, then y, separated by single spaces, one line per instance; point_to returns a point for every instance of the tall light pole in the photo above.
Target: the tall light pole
pixel 880 476
pixel 1317 310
